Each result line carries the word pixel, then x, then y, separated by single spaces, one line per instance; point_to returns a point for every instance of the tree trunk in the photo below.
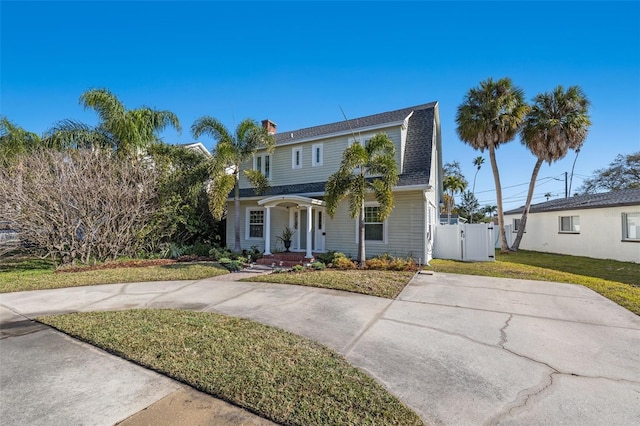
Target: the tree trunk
pixel 527 205
pixel 236 217
pixel 504 246
pixel 361 254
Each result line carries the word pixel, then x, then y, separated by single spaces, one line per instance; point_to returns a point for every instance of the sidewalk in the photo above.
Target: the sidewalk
pixel 457 349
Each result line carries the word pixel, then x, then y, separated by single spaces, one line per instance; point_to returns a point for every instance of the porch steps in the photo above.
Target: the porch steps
pixel 283 260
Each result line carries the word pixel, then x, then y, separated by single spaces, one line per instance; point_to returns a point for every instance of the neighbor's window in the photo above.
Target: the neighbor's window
pixel 570 224
pixel 631 226
pixel 316 152
pixel 296 158
pixel 256 223
pixel 516 224
pixel 373 226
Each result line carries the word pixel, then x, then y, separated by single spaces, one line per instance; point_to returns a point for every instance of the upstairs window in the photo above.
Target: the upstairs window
pixel 569 224
pixel 631 226
pixel 296 158
pixel 316 155
pixel 360 140
pixel 262 163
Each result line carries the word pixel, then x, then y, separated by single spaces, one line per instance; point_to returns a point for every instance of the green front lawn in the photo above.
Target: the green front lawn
pixel 617 281
pixel 278 375
pixel 21 274
pixel 371 282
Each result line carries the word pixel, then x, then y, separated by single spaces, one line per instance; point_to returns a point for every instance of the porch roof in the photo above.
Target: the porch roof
pixel 290 199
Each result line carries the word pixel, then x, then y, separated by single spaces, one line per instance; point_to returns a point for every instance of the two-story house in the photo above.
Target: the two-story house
pixel 304 159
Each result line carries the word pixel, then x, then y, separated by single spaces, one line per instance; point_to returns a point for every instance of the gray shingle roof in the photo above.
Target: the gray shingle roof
pixel 354 123
pixel 418 146
pixel 625 197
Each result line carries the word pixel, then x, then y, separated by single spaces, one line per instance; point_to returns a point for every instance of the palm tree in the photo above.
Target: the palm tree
pixel 490 210
pixel 127 131
pixel 14 141
pixel 354 179
pixel 558 121
pixel 230 151
pixel 489 116
pixel 453 184
pixel 478 162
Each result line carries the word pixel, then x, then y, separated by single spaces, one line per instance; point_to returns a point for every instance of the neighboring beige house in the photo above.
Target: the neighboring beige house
pixel 304 159
pixel 605 226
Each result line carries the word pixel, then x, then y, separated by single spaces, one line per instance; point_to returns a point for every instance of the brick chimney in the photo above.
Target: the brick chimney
pixel 270 126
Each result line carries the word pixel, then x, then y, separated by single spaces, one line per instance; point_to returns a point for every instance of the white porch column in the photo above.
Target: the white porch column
pixel 309 227
pixel 267 230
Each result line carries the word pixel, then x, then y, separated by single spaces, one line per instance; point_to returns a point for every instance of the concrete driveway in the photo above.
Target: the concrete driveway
pixel 457 349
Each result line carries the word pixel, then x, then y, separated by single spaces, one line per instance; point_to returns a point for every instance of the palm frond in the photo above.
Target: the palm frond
pixel 218 193
pixel 105 103
pixel 211 127
pixel 258 180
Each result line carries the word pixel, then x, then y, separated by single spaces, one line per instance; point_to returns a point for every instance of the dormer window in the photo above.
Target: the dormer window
pixel 296 158
pixel 316 155
pixel 262 163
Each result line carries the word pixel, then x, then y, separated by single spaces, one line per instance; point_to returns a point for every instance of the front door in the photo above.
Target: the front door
pixel 319 227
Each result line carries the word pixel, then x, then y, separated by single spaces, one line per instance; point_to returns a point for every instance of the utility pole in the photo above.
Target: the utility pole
pixel 566 190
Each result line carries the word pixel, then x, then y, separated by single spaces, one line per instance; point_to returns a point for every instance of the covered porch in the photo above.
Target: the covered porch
pixel 306 217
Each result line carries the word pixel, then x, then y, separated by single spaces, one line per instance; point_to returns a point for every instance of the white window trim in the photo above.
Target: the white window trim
pixel 314 147
pixel 573 225
pixel 625 227
pixel 385 227
pixel 263 164
pixel 293 157
pixel 247 224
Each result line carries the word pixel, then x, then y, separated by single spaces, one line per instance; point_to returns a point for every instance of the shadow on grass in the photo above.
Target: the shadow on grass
pixel 623 272
pixel 23 262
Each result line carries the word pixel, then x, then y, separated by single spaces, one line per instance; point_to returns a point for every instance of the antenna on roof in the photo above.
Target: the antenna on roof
pixel 348 122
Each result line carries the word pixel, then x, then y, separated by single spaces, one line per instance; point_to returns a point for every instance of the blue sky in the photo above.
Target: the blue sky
pixel 297 63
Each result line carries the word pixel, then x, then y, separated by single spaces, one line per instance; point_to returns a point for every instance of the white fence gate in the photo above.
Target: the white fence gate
pixel 473 242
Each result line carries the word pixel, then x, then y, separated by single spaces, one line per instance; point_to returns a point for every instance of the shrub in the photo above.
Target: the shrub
pixel 255 253
pixel 234 266
pixel 318 266
pixel 327 258
pixel 198 249
pixel 224 260
pixel 377 263
pixel 403 264
pixel 343 263
pixel 219 253
pixel 298 268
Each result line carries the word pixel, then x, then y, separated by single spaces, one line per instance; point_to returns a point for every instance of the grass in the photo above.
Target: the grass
pixel 617 281
pixel 386 284
pixel 275 374
pixel 22 274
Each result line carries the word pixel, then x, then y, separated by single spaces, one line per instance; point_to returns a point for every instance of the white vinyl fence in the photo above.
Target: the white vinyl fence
pixel 464 241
